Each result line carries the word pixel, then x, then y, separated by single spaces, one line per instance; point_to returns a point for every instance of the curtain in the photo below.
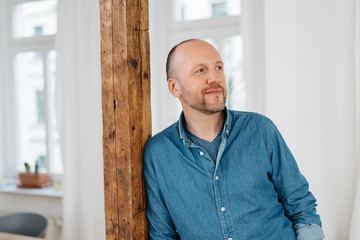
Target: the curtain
pixel 79 115
pixel 355 231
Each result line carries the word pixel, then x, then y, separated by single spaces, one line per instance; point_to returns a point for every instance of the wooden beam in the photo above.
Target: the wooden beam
pixel 125 67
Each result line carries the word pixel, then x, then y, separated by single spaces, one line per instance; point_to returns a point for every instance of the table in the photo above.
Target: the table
pixel 10 236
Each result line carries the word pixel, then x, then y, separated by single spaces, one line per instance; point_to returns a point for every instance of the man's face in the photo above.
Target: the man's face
pixel 200 77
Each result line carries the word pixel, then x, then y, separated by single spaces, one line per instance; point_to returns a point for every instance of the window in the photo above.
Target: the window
pixel 218 22
pixel 188 10
pixel 40 107
pixel 31 78
pixel 33 18
pixel 218 9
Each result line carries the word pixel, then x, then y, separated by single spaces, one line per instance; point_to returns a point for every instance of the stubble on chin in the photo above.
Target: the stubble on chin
pixel 207 108
pixel 212 108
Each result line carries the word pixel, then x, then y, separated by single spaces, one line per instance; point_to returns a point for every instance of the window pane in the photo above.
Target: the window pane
pixel 30 87
pixel 187 10
pixel 34 18
pixel 55 162
pixel 40 107
pixel 233 65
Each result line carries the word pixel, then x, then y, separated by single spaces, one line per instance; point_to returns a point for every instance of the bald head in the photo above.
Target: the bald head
pixel 170 66
pixel 196 77
pixel 170 59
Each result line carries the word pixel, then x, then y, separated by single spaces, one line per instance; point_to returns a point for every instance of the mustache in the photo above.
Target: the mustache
pixel 217 86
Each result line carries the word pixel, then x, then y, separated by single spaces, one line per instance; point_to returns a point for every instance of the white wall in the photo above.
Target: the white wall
pixel 280 67
pixel 164 107
pixel 7 151
pixel 316 106
pixel 2 46
pixel 309 53
pixel 326 88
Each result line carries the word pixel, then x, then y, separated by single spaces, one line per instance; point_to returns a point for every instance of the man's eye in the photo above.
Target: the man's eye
pixel 200 70
pixel 219 68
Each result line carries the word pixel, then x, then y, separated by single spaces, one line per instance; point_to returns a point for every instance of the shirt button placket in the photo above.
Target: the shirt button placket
pixel 220 197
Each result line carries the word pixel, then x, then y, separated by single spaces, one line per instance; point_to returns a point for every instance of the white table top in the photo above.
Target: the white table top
pixel 10 236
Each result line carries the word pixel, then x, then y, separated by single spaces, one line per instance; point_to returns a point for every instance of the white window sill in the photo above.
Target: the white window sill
pixel 45 192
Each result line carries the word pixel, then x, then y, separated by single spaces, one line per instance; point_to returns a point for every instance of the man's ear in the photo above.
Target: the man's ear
pixel 174 87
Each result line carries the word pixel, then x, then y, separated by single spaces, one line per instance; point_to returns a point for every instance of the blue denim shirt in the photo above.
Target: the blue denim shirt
pixel 254 190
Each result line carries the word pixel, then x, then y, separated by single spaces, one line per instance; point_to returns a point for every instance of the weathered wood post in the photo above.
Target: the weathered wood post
pixel 125 67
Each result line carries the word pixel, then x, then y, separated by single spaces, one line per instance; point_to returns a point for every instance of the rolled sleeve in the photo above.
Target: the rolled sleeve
pixel 308 232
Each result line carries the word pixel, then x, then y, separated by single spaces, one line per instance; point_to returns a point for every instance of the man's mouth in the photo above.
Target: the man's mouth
pixel 214 91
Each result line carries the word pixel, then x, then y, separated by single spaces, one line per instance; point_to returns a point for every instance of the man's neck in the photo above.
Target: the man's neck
pixel 204 126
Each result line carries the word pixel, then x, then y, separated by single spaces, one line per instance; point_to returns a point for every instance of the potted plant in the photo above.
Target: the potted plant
pixel 33 180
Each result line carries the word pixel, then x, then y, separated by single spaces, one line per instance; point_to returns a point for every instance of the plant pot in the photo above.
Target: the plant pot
pixel 32 180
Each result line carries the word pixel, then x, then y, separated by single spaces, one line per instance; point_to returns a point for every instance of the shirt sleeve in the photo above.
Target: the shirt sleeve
pixel 160 224
pixel 292 187
pixel 308 232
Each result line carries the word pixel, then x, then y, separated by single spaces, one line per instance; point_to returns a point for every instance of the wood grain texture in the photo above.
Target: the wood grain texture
pixel 125 66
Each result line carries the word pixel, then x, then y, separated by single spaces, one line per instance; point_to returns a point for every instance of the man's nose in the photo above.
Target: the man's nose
pixel 213 77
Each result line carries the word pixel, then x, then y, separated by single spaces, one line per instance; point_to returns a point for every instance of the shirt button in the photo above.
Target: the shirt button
pixel 227 132
pixel 222 209
pixel 229 238
pixel 216 178
pixel 201 153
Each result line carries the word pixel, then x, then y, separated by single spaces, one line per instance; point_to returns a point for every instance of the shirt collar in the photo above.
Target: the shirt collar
pixel 225 132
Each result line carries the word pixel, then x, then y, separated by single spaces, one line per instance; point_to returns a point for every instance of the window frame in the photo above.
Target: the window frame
pixel 9 103
pixel 218 27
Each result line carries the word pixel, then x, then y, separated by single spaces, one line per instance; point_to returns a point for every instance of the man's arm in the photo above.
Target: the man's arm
pixel 293 190
pixel 160 224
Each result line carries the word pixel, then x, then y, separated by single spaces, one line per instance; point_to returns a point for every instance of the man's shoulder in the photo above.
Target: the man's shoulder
pixel 168 134
pixel 246 114
pixel 253 117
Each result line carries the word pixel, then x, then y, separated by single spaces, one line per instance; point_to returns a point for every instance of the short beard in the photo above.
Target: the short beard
pixel 205 108
pixel 209 111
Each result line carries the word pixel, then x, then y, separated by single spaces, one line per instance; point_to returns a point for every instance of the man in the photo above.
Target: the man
pixel 221 174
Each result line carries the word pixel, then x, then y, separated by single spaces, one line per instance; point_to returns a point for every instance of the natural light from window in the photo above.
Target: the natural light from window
pixel 34 18
pixel 37 136
pixel 188 10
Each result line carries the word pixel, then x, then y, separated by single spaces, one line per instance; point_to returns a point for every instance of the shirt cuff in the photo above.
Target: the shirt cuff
pixel 308 231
